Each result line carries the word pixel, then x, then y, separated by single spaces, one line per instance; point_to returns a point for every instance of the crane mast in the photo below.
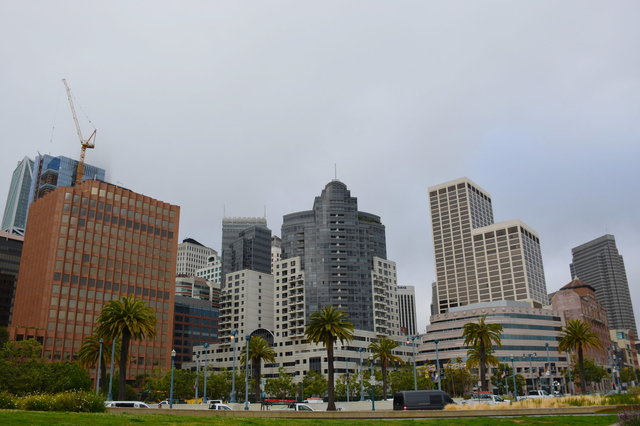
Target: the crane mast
pixel 85 144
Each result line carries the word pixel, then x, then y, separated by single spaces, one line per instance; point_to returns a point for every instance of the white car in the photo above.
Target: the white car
pixel 125 404
pixel 535 394
pixel 217 406
pixel 485 399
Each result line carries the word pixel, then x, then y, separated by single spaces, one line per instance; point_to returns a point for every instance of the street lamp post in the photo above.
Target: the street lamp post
pixel 347 382
pixel 234 333
pixel 373 389
pixel 515 388
pixel 197 371
pixel 113 357
pixel 173 359
pixel 438 365
pixel 246 374
pixel 99 367
pixel 533 379
pixel 360 350
pixel 206 365
pixel 548 372
pixel 415 376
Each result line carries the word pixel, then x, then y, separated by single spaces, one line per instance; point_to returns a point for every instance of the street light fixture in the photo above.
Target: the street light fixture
pixel 246 374
pixel 548 372
pixel 234 333
pixel 197 371
pixel 438 365
pixel 99 367
pixel 515 388
pixel 415 375
pixel 360 350
pixel 206 365
pixel 173 359
pixel 372 378
pixel 533 379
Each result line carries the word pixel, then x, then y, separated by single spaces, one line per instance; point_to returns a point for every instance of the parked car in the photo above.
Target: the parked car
pixel 125 404
pixel 421 400
pixel 534 394
pixel 213 402
pixel 485 398
pixel 296 406
pixel 221 407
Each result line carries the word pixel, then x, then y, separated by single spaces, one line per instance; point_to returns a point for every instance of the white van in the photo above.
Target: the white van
pixel 125 404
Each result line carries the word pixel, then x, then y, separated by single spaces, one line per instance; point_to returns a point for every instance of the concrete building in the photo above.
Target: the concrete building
pixel 212 271
pixel 14 220
pixel 625 342
pixel 192 256
pixel 194 287
pixel 53 172
pixel 231 229
pixel 478 260
pixel 407 310
pixel 10 254
pixel 195 323
pixel 251 250
pixel 530 336
pixel 599 264
pixel 89 244
pixel 276 250
pixel 577 301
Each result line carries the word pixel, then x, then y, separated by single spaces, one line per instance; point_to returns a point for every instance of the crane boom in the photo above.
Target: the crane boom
pixel 84 143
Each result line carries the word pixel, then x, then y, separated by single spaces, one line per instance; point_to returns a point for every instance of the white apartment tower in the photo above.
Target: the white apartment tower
pixel 407 309
pixel 477 260
pixel 192 256
pixel 212 271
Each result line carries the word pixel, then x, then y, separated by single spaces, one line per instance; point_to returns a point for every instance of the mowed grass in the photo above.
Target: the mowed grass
pixel 14 417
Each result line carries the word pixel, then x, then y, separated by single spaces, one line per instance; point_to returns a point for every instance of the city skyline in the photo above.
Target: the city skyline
pixel 536 108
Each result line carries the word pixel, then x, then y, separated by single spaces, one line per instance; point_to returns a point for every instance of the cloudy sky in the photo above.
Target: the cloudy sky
pixel 246 104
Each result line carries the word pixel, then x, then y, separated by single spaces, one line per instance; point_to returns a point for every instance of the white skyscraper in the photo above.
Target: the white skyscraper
pixel 407 309
pixel 192 256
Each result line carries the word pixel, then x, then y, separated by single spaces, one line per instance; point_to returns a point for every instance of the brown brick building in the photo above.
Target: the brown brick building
pixel 85 246
pixel 577 300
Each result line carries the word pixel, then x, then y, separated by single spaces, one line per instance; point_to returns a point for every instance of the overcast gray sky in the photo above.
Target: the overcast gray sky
pixel 243 104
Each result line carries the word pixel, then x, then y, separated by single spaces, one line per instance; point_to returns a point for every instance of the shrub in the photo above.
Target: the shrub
pixel 622 398
pixel 7 401
pixel 36 403
pixel 629 418
pixel 86 402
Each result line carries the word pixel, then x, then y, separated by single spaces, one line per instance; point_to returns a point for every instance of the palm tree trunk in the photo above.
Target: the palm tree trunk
pixel 124 355
pixel 483 369
pixel 330 392
pixel 384 380
pixel 583 384
pixel 256 378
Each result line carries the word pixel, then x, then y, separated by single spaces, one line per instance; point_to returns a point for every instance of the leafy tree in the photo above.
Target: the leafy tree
pixel 354 387
pixel 383 350
pixel 627 375
pixel 90 352
pixel 259 350
pixel 480 337
pixel 457 379
pixel 22 350
pixel 498 380
pixel 326 327
pixel 4 336
pixel 126 319
pixel 219 384
pixel 281 387
pixel 576 336
pixel 314 384
pixel 402 379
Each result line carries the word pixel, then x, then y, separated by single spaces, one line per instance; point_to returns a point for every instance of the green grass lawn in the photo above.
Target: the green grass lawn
pixel 10 417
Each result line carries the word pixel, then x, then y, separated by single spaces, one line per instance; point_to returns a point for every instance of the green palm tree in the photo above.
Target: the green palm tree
pixel 326 327
pixel 383 350
pixel 259 350
pixel 126 319
pixel 576 336
pixel 90 352
pixel 480 337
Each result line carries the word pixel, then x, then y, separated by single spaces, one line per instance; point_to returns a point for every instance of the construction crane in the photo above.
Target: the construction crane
pixel 90 142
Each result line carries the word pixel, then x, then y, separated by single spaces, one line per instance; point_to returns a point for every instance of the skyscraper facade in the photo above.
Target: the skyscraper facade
pixel 87 245
pixel 599 264
pixel 10 254
pixel 336 244
pixel 15 211
pixel 478 260
pixel 231 229
pixel 192 256
pixel 251 250
pixel 407 309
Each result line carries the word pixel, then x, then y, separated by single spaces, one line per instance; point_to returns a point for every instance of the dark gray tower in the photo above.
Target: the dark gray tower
pixel 251 250
pixel 336 243
pixel 232 227
pixel 599 264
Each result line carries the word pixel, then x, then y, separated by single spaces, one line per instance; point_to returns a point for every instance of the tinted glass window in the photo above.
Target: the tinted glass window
pixel 435 399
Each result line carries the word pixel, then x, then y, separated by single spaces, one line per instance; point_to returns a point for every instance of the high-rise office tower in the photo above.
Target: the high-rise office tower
pixel 10 254
pixel 15 211
pixel 231 229
pixel 276 250
pixel 477 260
pixel 50 173
pixel 407 309
pixel 337 245
pixel 192 256
pixel 89 244
pixel 251 250
pixel 599 264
